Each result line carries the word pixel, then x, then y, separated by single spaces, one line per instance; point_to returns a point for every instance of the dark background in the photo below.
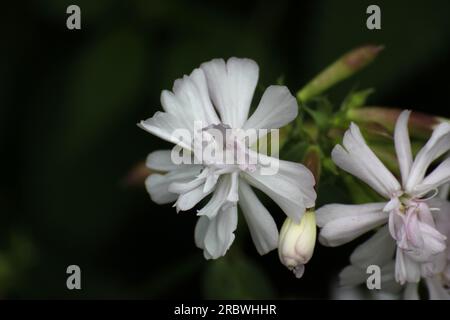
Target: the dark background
pixel 70 99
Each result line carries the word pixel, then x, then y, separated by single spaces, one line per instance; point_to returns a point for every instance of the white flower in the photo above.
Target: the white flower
pixel 338 291
pixel 297 242
pixel 219 95
pixel 438 285
pixel 379 250
pixel 410 221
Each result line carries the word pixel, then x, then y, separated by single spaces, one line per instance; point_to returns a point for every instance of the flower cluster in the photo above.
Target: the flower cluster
pixel 411 225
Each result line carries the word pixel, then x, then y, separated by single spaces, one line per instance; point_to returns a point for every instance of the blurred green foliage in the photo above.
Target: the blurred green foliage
pixel 236 277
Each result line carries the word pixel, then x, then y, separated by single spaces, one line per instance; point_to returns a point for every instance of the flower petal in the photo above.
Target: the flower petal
pixel 437 145
pixel 444 191
pixel 233 194
pixel 406 269
pixel 158 185
pixel 199 79
pixel 388 282
pixel 378 250
pixel 434 267
pixel 172 105
pixel 220 232
pixel 352 276
pixel 292 187
pixel 218 199
pixel 434 241
pixel 436 290
pixel 359 160
pixel 343 223
pixel 160 160
pixel 166 126
pixel 231 87
pixel 188 200
pixel 435 179
pixel 263 229
pixel 192 93
pixel 403 145
pixel 442 218
pixel 201 228
pixel 411 291
pixel 277 108
pixel 334 211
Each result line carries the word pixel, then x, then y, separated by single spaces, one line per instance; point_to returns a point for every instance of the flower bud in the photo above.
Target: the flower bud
pixel 312 160
pixel 341 69
pixel 137 175
pixel 296 243
pixel 421 125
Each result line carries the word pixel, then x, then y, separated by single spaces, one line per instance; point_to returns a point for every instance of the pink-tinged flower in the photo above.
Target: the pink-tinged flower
pixel 406 211
pixel 438 285
pixel 379 250
pixel 218 95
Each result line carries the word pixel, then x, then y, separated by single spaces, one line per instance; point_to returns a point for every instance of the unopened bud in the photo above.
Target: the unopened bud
pixel 344 67
pixel 312 161
pixel 421 125
pixel 296 243
pixel 137 175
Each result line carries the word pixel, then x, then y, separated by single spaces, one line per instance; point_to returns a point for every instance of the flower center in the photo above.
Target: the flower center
pixel 226 150
pixel 412 226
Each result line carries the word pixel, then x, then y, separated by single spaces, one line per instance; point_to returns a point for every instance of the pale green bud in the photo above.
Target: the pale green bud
pixel 341 69
pixel 297 241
